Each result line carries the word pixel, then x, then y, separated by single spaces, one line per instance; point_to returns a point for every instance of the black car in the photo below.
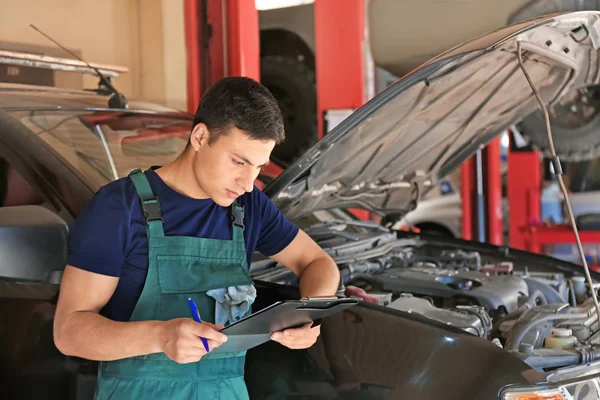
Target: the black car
pixel 440 318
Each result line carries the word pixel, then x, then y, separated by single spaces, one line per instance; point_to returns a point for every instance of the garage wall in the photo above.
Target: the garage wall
pixel 147 36
pixel 174 55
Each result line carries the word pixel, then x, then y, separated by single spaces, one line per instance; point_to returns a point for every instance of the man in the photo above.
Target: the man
pixel 148 242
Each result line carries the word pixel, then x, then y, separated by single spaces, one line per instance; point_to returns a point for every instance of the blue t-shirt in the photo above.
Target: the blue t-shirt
pixel 109 237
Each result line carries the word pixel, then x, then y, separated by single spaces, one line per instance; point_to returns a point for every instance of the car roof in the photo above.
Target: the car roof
pixel 20 96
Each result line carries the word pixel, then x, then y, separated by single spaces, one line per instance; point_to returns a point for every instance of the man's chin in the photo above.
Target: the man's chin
pixel 224 202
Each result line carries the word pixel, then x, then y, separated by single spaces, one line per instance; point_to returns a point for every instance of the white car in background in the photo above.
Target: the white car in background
pixel 442 214
pixel 439 215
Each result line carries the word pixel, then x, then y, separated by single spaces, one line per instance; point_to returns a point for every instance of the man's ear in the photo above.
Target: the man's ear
pixel 199 136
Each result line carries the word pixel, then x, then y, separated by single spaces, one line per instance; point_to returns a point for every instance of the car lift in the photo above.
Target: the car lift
pixel 221 39
pixel 524 187
pixel 481 194
pixel 527 230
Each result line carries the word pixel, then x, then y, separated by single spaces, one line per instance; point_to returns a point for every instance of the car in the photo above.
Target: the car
pixel 442 214
pixel 440 317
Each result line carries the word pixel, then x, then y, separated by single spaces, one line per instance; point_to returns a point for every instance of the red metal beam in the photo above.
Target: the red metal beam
pixel 216 50
pixel 341 69
pixel 233 47
pixel 536 237
pixel 493 185
pixel 243 49
pixel 524 186
pixel 467 188
pixel 191 15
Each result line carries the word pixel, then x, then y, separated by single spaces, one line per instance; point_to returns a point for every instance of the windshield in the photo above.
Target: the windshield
pixel 106 145
pixel 103 146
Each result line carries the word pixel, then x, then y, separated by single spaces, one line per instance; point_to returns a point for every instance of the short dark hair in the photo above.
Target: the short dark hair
pixel 244 104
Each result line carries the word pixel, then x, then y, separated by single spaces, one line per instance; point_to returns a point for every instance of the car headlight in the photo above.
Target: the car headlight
pixel 569 384
pixel 585 390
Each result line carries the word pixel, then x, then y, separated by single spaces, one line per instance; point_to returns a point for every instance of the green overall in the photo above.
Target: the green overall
pixel 180 267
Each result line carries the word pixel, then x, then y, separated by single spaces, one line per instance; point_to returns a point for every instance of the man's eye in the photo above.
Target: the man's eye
pixel 236 162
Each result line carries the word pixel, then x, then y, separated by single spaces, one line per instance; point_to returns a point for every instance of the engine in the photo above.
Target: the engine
pixel 544 317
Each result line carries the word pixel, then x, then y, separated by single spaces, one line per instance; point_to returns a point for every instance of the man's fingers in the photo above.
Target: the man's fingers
pixel 215 327
pixel 298 338
pixel 296 343
pixel 197 347
pixel 298 332
pixel 206 331
pixel 212 344
pixel 304 330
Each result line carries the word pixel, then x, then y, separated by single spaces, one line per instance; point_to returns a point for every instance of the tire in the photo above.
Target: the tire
pixel 293 85
pixel 576 137
pixel 575 126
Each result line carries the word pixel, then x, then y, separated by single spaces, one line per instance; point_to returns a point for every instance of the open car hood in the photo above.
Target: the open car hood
pixel 403 141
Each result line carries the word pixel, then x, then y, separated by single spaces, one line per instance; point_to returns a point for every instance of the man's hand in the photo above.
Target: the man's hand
pixel 298 338
pixel 180 339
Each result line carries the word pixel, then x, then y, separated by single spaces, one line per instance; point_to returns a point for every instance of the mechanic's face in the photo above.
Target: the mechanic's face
pixel 227 168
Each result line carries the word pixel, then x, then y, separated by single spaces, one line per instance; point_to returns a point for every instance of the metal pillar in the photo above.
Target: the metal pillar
pixel 493 189
pixel 192 22
pixel 524 190
pixel 466 194
pixel 344 68
pixel 481 192
pixel 242 40
pixel 222 39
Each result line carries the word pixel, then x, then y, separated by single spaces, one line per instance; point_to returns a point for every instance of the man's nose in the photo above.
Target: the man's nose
pixel 247 181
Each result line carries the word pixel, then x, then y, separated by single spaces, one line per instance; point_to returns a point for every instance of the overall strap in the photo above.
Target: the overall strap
pixel 150 204
pixel 237 221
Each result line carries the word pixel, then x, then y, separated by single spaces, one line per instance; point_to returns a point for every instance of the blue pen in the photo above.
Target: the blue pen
pixel 196 315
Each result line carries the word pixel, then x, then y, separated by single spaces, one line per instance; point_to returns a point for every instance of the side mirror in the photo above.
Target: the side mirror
pixel 33 245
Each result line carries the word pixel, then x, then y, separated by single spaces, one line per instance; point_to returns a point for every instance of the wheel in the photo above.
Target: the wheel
pixel 575 121
pixel 293 85
pixel 575 124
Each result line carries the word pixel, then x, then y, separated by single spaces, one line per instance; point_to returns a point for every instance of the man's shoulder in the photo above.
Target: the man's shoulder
pixel 119 188
pixel 118 196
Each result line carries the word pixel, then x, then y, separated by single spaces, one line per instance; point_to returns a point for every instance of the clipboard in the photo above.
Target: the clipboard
pixel 256 328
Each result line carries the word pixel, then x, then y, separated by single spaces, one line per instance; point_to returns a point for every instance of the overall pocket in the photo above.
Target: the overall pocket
pixel 189 274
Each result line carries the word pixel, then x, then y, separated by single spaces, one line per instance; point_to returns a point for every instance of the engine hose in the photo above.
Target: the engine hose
pixel 519 332
pixel 516 313
pixel 551 295
pixel 589 355
pixel 571 294
pixel 536 295
pixel 512 315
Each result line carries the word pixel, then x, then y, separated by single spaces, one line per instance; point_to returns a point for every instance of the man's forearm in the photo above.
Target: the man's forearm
pixel 89 335
pixel 320 278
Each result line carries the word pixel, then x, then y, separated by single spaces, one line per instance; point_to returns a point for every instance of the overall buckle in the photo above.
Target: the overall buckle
pixel 237 217
pixel 152 210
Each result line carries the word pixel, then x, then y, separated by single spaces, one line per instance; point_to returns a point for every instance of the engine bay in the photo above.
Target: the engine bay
pixel 532 306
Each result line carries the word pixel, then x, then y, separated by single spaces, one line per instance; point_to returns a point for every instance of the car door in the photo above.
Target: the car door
pixel 31 365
